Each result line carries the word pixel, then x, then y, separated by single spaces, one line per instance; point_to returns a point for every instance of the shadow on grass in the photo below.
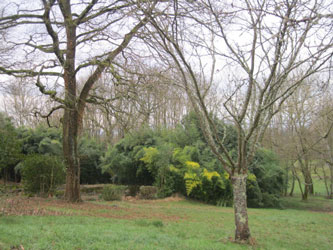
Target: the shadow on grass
pixel 314 203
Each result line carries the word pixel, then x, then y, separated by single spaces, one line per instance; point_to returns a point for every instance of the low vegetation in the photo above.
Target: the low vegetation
pixel 113 192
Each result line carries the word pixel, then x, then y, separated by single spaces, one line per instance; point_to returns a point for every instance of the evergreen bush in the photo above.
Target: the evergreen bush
pixel 42 173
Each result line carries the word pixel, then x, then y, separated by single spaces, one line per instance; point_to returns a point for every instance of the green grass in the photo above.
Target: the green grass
pixel 171 225
pixel 318 185
pixel 314 203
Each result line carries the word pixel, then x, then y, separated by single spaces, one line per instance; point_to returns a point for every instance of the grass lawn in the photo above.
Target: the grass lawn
pixel 35 223
pixel 318 184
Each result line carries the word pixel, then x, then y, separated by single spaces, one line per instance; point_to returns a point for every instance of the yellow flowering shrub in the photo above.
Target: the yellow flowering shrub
pixel 192 165
pixel 172 168
pixel 149 155
pixel 210 175
pixel 191 182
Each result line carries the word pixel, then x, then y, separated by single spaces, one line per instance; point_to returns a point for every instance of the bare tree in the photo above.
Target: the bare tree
pixel 300 114
pixel 23 103
pixel 140 95
pixel 324 150
pixel 255 49
pixel 301 136
pixel 61 40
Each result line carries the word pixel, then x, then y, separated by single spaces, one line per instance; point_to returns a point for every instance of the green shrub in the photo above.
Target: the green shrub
pixel 271 200
pixel 167 185
pixel 265 188
pixel 148 192
pixel 90 153
pixel 42 173
pixel 10 148
pixel 113 192
pixel 133 190
pixel 253 192
pixel 89 189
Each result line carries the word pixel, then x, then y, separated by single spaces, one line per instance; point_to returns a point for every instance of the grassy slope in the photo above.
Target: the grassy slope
pixel 168 225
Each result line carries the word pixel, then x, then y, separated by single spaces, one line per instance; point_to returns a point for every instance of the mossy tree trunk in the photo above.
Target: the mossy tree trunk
pixel 242 232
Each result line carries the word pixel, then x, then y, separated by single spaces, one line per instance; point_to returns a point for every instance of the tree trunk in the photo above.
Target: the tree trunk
pixel 70 137
pixel 308 179
pixel 291 193
pixel 309 183
pixel 240 206
pixel 305 194
pixel 330 196
pixel 72 121
pixel 285 182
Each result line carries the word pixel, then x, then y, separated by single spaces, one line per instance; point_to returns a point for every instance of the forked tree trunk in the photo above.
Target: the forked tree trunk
pixel 240 206
pixel 308 185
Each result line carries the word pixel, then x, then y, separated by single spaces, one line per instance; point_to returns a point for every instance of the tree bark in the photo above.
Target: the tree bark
pixel 242 232
pixel 70 137
pixel 305 194
pixel 330 196
pixel 308 185
pixel 71 121
pixel 309 182
pixel 291 193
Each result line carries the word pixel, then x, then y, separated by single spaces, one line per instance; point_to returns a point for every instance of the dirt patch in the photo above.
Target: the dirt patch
pixel 55 207
pixel 25 206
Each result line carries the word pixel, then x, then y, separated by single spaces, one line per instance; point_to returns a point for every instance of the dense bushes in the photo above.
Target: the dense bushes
pixel 180 161
pixel 171 160
pixel 179 173
pixel 10 147
pixel 90 153
pixel 38 145
pixel 41 140
pixel 48 141
pixel 123 163
pixel 42 173
pixel 209 187
pixel 266 183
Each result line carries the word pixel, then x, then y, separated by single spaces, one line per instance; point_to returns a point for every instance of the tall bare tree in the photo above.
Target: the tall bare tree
pixel 301 136
pixel 300 114
pixel 139 95
pixel 324 150
pixel 256 50
pixel 55 41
